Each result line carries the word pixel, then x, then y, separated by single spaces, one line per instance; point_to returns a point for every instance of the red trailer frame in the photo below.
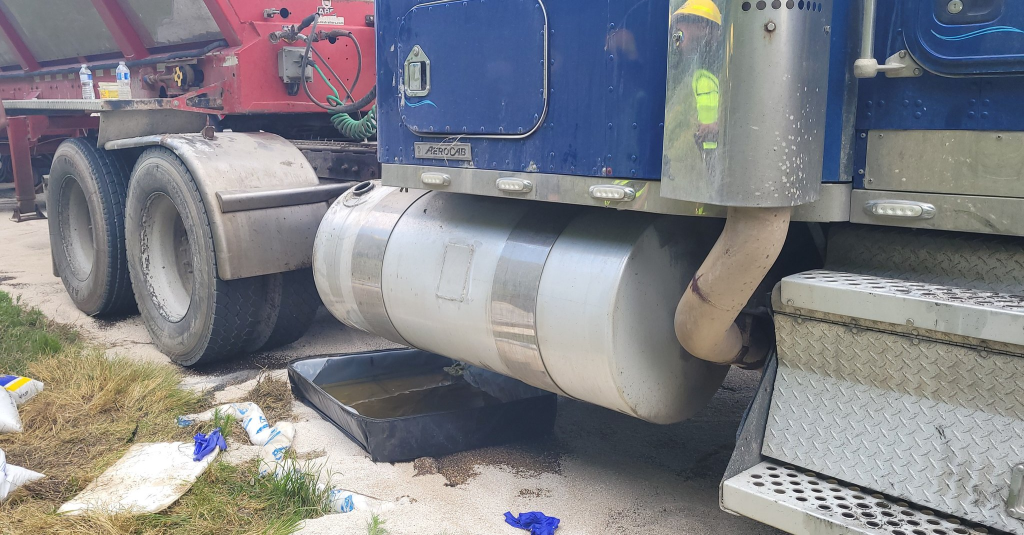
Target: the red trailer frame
pixel 237 75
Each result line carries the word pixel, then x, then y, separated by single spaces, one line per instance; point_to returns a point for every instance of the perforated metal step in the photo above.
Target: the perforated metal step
pixel 803 503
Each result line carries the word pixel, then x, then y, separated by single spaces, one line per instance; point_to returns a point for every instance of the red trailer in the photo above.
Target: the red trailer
pixel 197 198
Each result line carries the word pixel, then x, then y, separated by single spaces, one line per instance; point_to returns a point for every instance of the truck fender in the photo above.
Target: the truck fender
pixel 252 242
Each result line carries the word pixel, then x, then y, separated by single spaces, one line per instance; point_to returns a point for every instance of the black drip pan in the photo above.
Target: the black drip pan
pixel 401 404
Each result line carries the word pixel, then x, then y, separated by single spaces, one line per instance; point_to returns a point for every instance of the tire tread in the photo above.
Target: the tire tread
pixel 111 174
pixel 300 302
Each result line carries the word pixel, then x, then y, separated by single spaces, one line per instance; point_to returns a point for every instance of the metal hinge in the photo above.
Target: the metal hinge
pixel 1015 502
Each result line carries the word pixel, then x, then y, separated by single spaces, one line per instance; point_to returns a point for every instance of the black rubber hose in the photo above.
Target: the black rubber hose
pixel 355 106
pixel 306 22
pixel 305 64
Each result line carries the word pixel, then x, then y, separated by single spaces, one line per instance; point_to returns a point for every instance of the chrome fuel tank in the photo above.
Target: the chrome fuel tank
pixel 577 301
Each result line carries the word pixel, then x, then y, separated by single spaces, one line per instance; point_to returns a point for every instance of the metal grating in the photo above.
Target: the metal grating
pixel 803 502
pixel 920 290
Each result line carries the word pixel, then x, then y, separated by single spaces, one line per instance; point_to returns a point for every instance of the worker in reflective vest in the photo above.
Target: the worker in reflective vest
pixel 696 28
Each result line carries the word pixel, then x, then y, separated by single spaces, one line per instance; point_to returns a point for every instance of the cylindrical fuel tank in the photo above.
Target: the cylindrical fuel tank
pixel 578 301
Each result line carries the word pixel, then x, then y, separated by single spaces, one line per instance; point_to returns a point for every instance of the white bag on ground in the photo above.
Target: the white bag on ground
pixel 12 477
pixel 22 389
pixel 148 479
pixel 10 420
pixel 344 501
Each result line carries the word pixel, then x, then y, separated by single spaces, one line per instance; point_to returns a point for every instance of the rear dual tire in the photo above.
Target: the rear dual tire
pixel 147 243
pixel 192 315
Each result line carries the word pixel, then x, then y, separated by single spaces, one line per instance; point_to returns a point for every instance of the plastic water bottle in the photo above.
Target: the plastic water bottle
pixel 124 82
pixel 85 75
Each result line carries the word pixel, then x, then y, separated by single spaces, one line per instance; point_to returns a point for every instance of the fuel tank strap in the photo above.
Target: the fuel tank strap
pixel 515 289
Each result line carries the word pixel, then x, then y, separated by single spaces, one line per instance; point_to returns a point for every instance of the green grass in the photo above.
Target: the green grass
pixel 234 499
pixel 375 526
pixel 222 421
pixel 92 410
pixel 27 335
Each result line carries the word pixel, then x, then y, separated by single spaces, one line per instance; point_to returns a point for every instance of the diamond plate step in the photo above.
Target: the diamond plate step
pixel 933 423
pixel 984 315
pixel 803 503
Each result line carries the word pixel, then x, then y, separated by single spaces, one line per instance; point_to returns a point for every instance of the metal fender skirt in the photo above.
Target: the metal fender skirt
pixel 912 390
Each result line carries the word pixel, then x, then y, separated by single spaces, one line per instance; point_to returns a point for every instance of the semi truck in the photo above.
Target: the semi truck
pixel 619 201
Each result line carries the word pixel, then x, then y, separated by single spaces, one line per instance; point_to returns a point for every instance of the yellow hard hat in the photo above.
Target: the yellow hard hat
pixel 705 9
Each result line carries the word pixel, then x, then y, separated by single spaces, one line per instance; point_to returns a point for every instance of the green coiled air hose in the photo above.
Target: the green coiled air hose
pixel 360 129
pixel 350 127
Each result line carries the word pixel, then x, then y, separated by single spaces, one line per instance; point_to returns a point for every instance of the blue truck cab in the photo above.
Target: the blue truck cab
pixel 616 201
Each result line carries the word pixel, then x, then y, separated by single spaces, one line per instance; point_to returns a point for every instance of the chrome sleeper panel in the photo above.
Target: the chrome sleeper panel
pixel 983 163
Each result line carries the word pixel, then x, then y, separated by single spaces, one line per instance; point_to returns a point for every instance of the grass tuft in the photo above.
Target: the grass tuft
pixel 302 488
pixel 274 397
pixel 225 422
pixel 375 526
pixel 27 335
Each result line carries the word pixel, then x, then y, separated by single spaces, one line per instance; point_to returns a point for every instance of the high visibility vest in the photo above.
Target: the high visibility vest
pixel 705 93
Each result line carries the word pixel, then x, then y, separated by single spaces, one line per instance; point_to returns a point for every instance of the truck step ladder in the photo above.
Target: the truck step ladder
pixel 913 390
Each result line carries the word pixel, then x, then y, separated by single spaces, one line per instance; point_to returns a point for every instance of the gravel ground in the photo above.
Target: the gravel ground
pixel 600 472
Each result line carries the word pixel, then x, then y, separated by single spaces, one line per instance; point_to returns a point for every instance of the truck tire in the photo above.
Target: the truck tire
pixel 86 218
pixel 192 315
pixel 292 303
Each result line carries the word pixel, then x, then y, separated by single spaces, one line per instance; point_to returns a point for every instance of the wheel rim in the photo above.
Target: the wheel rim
pixel 167 258
pixel 76 228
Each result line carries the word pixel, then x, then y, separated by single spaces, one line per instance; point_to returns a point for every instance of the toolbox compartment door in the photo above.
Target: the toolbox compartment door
pixel 484 74
pixel 982 37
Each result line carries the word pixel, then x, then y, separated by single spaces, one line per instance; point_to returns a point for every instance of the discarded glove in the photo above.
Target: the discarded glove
pixel 274 441
pixel 537 523
pixel 206 444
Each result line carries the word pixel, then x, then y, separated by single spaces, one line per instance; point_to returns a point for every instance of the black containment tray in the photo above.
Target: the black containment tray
pixel 524 411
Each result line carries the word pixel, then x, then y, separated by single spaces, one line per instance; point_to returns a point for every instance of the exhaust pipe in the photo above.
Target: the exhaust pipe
pixel 762 79
pixel 705 320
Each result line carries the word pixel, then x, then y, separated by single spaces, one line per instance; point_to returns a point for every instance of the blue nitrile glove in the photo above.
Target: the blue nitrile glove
pixel 537 523
pixel 205 444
